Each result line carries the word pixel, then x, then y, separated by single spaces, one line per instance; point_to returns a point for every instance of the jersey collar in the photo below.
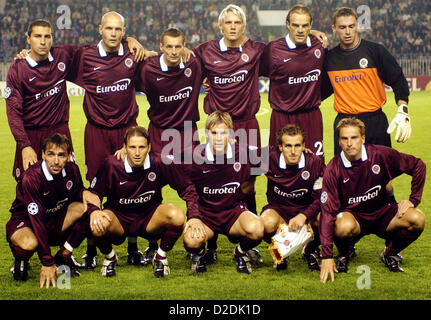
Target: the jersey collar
pixel 103 53
pixel 210 156
pixel 223 47
pixel 283 165
pixel 48 175
pixel 291 45
pixel 128 168
pixel 347 163
pixel 33 63
pixel 165 67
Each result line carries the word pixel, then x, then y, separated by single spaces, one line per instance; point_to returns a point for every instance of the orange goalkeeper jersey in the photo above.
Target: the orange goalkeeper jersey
pixel 356 78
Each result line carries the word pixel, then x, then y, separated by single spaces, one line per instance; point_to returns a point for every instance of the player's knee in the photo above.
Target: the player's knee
pixel 192 244
pixel 28 243
pixel 175 215
pixel 255 229
pixel 345 228
pixel 417 220
pixel 270 224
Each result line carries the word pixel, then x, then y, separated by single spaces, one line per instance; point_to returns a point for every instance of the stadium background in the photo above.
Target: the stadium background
pixel 403 27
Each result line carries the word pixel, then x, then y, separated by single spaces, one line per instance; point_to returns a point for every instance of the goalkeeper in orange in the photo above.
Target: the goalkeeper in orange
pixel 293 191
pixel 357 70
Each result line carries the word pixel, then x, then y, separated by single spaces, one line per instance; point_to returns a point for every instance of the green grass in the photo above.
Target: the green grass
pixel 222 281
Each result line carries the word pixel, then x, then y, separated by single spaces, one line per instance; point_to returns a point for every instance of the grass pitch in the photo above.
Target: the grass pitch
pixel 367 279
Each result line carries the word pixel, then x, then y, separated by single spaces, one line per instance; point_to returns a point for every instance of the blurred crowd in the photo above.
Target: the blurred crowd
pixel 404 27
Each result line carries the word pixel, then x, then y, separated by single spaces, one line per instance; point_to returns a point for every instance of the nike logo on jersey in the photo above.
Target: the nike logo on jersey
pixel 345 180
pixel 31 79
pixel 161 78
pixel 285 60
pixel 122 182
pixel 46 193
pixel 277 175
pixel 96 68
pixel 206 171
pixel 217 62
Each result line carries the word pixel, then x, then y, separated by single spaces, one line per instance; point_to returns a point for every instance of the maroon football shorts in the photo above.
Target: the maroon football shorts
pixel 222 221
pixel 179 141
pixel 37 136
pixel 376 222
pixel 309 121
pixel 285 212
pixel 53 226
pixel 99 143
pixel 135 224
pixel 250 131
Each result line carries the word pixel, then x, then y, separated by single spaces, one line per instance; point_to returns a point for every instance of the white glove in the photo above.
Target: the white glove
pixel 402 122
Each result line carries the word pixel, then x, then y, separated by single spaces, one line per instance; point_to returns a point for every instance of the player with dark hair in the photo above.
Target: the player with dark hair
pixel 293 190
pixel 172 89
pixel 294 64
pixel 357 70
pixel 37 104
pixel 354 201
pixel 134 207
pixel 217 173
pixel 49 209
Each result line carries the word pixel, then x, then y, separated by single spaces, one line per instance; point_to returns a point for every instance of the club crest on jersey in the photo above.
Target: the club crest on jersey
pixel 363 63
pixel 375 169
pixel 188 72
pixel 305 175
pixel 317 53
pixel 245 57
pixel 32 208
pixel 93 182
pixel 128 62
pixel 237 166
pixel 323 197
pixel 69 185
pixel 7 92
pixel 61 66
pixel 17 172
pixel 152 176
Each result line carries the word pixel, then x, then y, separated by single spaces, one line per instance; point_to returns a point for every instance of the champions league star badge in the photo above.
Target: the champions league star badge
pixel 188 72
pixel 32 208
pixel 376 169
pixel 69 185
pixel 93 182
pixel 152 176
pixel 61 66
pixel 323 197
pixel 7 92
pixel 363 63
pixel 237 166
pixel 128 62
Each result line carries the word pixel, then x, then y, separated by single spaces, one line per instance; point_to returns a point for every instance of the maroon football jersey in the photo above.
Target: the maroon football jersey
pixel 42 198
pixel 297 187
pixel 36 94
pixel 294 73
pixel 109 83
pixel 132 190
pixel 360 186
pixel 218 180
pixel 173 93
pixel 233 76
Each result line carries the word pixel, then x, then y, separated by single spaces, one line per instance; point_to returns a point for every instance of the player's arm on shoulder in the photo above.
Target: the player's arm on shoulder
pixel 321 36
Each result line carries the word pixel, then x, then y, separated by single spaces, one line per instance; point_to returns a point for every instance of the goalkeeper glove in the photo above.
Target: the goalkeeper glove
pixel 402 123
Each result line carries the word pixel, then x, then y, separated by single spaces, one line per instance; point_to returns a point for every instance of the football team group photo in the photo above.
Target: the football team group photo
pixel 202 152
